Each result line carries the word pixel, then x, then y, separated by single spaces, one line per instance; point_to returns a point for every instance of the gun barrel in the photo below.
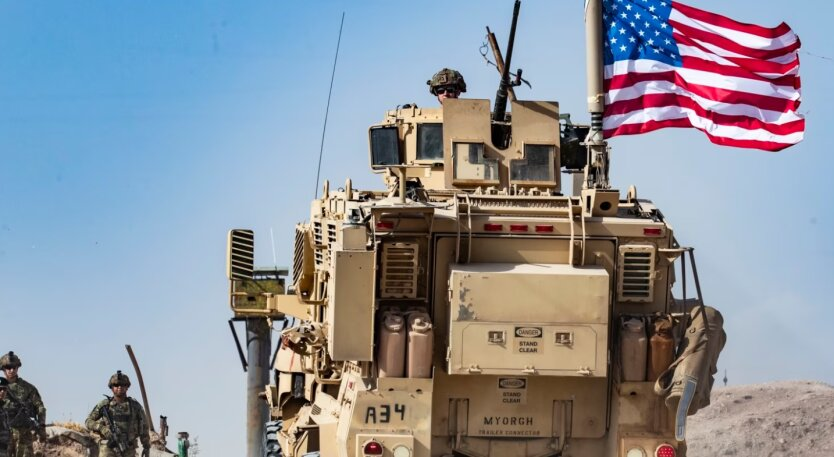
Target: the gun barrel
pixel 500 109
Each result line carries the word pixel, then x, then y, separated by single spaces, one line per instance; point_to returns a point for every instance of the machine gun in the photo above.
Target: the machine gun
pixel 500 130
pixel 116 440
pixel 25 417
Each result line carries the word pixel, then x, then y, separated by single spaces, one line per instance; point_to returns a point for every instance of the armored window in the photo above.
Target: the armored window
pixel 536 166
pixel 385 147
pixel 430 142
pixel 471 164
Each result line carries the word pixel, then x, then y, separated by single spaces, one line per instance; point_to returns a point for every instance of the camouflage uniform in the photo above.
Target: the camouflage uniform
pixel 23 431
pixel 4 425
pixel 128 417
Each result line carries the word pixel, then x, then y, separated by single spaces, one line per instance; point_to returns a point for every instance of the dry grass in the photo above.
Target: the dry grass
pixel 72 426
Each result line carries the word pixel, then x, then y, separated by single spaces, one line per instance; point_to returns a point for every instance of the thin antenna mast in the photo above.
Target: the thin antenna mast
pixel 274 258
pixel 327 110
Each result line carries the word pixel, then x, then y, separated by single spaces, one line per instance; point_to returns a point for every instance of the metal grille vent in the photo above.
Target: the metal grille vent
pixel 399 270
pixel 636 272
pixel 298 253
pixel 241 255
pixel 317 242
pixel 331 235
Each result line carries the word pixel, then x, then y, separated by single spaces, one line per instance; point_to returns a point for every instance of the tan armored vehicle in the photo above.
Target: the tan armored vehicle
pixel 473 309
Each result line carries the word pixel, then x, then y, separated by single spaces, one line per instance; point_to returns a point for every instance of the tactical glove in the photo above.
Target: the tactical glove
pixel 146 452
pixel 42 433
pixel 105 433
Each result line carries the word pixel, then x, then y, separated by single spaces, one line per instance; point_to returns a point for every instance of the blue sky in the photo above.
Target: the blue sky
pixel 133 135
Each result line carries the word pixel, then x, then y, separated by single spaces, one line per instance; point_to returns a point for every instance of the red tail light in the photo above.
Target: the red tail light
pixel 493 227
pixel 651 231
pixel 544 229
pixel 518 227
pixel 372 448
pixel 385 225
pixel 665 450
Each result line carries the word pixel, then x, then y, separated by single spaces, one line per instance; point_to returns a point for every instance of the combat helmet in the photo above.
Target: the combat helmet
pixel 446 77
pixel 10 360
pixel 120 379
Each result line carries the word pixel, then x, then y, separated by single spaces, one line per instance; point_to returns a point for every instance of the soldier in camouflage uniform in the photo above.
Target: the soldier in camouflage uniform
pixel 446 83
pixel 128 417
pixel 24 409
pixel 4 422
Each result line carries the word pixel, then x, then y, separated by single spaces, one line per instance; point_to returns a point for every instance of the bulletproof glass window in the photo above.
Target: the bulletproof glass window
pixel 430 142
pixel 471 164
pixel 536 166
pixel 385 147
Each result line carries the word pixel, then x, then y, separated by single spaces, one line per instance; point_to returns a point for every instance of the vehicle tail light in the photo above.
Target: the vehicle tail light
pixel 372 448
pixel 652 231
pixel 518 227
pixel 493 227
pixel 385 225
pixel 665 450
pixel 544 229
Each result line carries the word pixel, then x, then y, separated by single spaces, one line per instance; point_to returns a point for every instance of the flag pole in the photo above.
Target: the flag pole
pixel 597 148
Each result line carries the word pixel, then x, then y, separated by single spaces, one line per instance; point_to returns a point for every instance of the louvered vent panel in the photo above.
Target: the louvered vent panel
pixel 317 241
pixel 636 272
pixel 298 253
pixel 399 270
pixel 241 259
pixel 331 235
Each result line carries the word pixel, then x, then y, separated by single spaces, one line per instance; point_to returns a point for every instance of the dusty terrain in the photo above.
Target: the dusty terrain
pixel 781 419
pixel 791 418
pixel 73 440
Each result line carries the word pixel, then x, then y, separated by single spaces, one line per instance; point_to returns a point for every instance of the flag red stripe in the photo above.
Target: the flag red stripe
pixel 758 66
pixel 730 45
pixel 634 129
pixel 741 121
pixel 711 66
pixel 713 93
pixel 721 21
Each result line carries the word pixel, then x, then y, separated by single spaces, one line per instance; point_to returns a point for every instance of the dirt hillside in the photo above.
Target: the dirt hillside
pixel 791 418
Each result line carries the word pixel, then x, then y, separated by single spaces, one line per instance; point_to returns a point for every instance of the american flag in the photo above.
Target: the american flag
pixel 671 65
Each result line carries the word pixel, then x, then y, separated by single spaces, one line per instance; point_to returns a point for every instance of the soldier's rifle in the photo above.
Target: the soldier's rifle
pixel 26 415
pixel 116 440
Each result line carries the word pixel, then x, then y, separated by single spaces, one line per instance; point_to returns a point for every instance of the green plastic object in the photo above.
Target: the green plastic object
pixel 182 447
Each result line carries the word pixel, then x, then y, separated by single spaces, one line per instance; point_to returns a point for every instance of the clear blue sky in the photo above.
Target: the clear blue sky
pixel 133 135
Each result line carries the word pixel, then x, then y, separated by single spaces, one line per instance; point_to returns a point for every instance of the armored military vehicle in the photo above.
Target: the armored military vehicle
pixel 471 308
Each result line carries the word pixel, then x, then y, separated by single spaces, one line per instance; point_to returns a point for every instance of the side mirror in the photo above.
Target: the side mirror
pixel 240 254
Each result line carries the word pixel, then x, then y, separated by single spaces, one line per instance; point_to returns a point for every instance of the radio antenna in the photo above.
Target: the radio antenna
pixel 327 109
pixel 274 258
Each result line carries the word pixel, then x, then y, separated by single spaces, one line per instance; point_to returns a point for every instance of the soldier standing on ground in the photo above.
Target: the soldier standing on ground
pixel 4 422
pixel 128 420
pixel 24 409
pixel 446 83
